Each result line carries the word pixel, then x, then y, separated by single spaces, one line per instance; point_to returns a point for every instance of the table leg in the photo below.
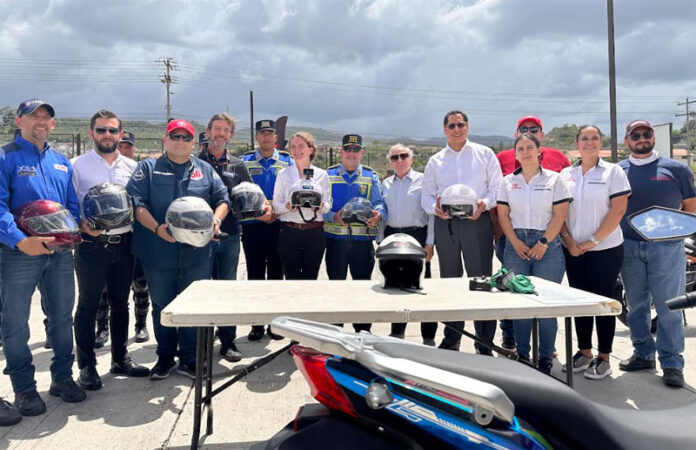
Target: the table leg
pixel 569 350
pixel 535 342
pixel 210 340
pixel 198 385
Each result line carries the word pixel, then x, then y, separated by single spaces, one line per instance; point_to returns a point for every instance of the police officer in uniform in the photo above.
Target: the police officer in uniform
pixel 260 237
pixel 352 248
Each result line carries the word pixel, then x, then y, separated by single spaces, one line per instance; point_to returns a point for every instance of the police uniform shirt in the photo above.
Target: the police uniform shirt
pixel 592 194
pixel 265 170
pixel 281 194
pixel 531 205
pixel 474 165
pixel 91 169
pixel 402 196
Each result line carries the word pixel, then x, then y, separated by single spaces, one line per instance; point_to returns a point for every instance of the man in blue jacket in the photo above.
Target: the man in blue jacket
pixel 169 266
pixel 31 170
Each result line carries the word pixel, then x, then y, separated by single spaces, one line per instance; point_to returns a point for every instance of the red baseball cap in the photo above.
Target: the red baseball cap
pixel 534 119
pixel 180 125
pixel 634 125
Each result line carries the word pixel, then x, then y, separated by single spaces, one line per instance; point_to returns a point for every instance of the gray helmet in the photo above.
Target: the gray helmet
pixel 459 200
pixel 190 221
pixel 247 200
pixel 357 210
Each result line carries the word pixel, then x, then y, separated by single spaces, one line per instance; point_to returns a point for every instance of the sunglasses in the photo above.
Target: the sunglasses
pixel 452 126
pixel 532 129
pixel 403 156
pixel 103 130
pixel 647 134
pixel 181 137
pixel 352 148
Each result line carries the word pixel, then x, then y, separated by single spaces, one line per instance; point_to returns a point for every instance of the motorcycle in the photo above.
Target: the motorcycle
pixel 382 392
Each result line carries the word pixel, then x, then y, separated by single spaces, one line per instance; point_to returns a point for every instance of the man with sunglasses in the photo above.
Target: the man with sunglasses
pixel 475 165
pixel 654 271
pixel 170 266
pixel 30 169
pixel 104 258
pixel 549 158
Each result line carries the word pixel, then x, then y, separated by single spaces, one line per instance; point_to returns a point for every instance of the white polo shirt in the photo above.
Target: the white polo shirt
pixel 592 194
pixel 531 205
pixel 91 169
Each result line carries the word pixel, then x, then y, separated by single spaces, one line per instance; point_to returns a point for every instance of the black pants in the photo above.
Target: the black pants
pixel 472 240
pixel 98 264
pixel 301 252
pixel 428 329
pixel 595 272
pixel 141 300
pixel 358 255
pixel 260 242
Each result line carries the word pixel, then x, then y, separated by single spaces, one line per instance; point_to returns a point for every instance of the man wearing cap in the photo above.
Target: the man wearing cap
pixel 170 266
pixel 260 237
pixel 551 159
pixel 31 170
pixel 225 253
pixel 654 271
pixel 203 140
pixel 475 165
pixel 350 246
pixel 104 258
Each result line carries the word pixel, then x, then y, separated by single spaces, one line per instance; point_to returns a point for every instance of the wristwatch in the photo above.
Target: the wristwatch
pixel 594 240
pixel 543 241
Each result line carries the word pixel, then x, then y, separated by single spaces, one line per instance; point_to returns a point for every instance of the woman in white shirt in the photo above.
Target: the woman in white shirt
pixel 532 206
pixel 302 242
pixel 594 242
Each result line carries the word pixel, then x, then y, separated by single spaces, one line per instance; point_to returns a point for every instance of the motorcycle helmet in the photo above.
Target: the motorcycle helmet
pixel 401 260
pixel 247 200
pixel 305 193
pixel 190 221
pixel 357 210
pixel 107 206
pixel 47 218
pixel 459 200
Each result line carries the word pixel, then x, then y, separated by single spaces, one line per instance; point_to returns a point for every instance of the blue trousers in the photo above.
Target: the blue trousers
pixel 225 258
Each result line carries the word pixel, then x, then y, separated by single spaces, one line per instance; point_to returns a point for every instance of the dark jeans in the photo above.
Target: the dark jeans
pixel 225 258
pixel 165 284
pixel 428 329
pixel 260 242
pixel 472 240
pixel 141 301
pixel 595 272
pixel 359 256
pixel 301 252
pixel 98 264
pixel 54 276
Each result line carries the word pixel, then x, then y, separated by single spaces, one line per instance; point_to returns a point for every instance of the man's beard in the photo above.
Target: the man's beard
pixel 104 149
pixel 644 150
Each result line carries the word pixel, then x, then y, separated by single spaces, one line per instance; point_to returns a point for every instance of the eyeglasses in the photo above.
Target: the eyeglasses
pixel 647 134
pixel 452 126
pixel 352 148
pixel 181 137
pixel 403 156
pixel 102 130
pixel 532 129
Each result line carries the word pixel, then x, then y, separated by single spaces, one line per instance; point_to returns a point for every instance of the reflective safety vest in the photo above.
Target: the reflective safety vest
pixel 341 191
pixel 265 171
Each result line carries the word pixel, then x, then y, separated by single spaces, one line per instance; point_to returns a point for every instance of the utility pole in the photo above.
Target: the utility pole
pixel 166 78
pixel 251 113
pixel 612 80
pixel 688 127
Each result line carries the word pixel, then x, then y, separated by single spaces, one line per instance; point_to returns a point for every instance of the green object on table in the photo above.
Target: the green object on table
pixel 507 280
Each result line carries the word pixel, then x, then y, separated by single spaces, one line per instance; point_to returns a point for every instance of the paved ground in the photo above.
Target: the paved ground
pixel 141 414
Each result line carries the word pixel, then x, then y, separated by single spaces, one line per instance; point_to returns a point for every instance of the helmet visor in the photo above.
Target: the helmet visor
pixel 112 203
pixel 190 220
pixel 57 222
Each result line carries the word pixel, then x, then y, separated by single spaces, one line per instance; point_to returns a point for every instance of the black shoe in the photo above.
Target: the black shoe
pixel 163 367
pixel 101 338
pixel 635 362
pixel 30 404
pixel 68 391
pixel 397 335
pixel 141 335
pixel 187 369
pixel 256 333
pixel 672 377
pixel 275 337
pixel 447 346
pixel 47 345
pixel 509 343
pixel 8 414
pixel 128 368
pixel 545 365
pixel 89 378
pixel 230 352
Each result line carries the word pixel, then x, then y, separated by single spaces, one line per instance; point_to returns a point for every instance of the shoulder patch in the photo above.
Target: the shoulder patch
pixel 139 174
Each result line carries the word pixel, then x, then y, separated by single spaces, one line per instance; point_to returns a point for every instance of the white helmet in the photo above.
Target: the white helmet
pixel 190 220
pixel 401 260
pixel 459 200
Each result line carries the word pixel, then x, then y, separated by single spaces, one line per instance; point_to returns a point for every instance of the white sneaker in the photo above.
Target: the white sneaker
pixel 580 362
pixel 600 368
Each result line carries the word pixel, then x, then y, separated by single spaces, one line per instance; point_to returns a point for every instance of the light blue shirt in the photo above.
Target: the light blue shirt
pixel 402 197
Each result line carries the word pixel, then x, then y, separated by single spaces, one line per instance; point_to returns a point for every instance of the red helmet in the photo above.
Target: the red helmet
pixel 47 218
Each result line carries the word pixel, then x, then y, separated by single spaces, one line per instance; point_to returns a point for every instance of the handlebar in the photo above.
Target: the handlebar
pixel 685 301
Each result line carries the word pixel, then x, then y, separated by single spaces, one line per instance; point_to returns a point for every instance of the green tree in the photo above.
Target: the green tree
pixel 8 119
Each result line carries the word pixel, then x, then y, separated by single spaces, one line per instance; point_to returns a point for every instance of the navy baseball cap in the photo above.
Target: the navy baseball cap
pixel 128 137
pixel 262 125
pixel 202 137
pixel 29 106
pixel 352 139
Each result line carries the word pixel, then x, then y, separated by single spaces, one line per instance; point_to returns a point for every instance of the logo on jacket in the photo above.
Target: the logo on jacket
pixel 196 174
pixel 363 189
pixel 60 167
pixel 515 186
pixel 26 171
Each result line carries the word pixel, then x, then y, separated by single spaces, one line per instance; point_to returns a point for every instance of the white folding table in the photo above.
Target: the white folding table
pixel 209 303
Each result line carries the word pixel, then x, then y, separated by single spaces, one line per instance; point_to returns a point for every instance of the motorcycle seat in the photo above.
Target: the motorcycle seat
pixel 554 409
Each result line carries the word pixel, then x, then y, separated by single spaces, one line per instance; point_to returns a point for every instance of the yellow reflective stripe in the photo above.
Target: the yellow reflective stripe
pixel 253 164
pixel 336 179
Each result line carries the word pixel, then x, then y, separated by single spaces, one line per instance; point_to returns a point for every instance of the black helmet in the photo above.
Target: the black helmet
pixel 459 200
pixel 247 200
pixel 357 210
pixel 190 221
pixel 107 206
pixel 401 260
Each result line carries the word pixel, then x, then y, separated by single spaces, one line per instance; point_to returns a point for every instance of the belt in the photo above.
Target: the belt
pixel 109 239
pixel 303 226
pixel 405 229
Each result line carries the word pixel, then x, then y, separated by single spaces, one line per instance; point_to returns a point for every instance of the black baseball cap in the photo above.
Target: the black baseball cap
pixel 352 139
pixel 262 125
pixel 29 106
pixel 128 137
pixel 202 137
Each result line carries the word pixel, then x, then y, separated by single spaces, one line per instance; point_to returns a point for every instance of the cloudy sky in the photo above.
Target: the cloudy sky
pixel 380 67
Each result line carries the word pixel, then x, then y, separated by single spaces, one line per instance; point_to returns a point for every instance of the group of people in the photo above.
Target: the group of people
pixel 541 215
